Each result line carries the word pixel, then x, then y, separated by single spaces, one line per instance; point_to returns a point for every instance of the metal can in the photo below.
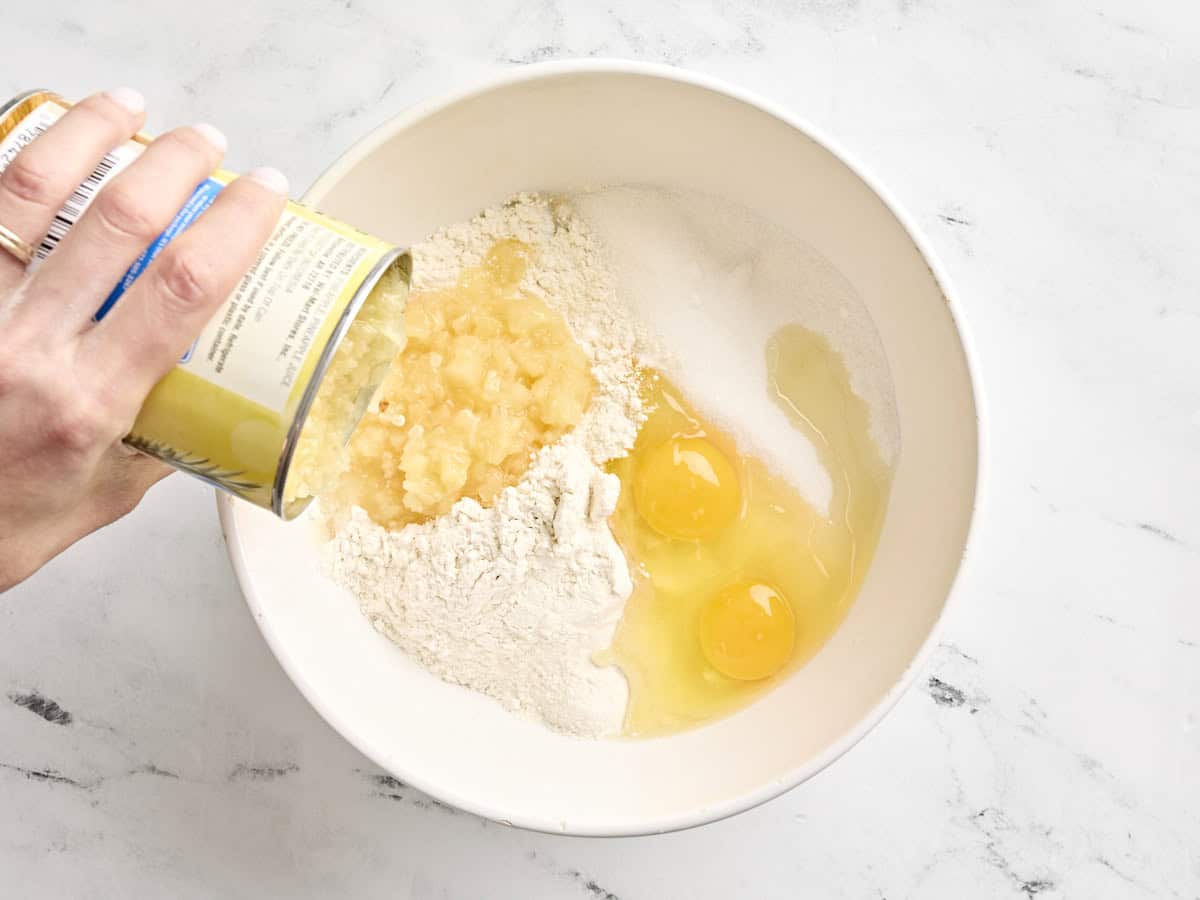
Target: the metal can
pixel 233 410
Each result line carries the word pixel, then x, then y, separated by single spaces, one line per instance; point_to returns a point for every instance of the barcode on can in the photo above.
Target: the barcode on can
pixel 79 201
pixel 33 126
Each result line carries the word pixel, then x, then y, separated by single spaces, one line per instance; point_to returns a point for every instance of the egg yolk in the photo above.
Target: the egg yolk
pixel 686 488
pixel 747 631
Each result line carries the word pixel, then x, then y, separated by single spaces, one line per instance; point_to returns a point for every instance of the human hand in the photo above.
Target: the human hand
pixel 71 387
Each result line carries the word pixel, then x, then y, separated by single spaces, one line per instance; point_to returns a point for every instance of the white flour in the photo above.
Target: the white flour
pixel 512 601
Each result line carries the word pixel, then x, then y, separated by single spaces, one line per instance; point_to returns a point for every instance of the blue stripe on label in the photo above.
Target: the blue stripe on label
pixel 201 199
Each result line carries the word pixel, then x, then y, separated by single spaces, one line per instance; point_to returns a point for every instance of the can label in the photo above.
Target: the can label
pixel 227 411
pixel 257 342
pixel 36 123
pixel 201 199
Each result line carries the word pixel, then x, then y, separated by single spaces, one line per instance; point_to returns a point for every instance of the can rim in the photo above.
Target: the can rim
pixel 13 102
pixel 279 506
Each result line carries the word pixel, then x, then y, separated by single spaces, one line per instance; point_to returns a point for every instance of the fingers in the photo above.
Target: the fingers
pixel 150 327
pixel 126 216
pixel 42 177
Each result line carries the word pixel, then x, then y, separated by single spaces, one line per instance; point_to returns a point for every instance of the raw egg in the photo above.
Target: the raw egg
pixel 738 580
pixel 686 488
pixel 747 631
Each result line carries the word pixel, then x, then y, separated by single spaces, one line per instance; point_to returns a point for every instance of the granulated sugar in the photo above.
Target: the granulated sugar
pixel 714 281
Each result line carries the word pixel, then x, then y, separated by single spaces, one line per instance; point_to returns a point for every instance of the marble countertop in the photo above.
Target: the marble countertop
pixel 150 746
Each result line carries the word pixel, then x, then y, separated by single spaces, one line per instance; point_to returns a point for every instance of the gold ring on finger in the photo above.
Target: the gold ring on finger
pixel 16 245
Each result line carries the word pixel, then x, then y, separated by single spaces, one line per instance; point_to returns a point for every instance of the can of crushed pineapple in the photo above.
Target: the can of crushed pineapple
pixel 233 411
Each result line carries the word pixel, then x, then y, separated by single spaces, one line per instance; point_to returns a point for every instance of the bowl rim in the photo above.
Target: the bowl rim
pixel 749 799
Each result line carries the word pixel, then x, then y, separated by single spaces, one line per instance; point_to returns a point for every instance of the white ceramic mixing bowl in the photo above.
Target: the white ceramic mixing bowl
pixel 570 125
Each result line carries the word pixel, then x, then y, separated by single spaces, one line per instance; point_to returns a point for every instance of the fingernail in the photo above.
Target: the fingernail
pixel 211 134
pixel 127 97
pixel 271 179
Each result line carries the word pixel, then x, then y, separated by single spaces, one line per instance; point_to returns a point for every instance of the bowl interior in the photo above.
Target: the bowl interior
pixel 571 127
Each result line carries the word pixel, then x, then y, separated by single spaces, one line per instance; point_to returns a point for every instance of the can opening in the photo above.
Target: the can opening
pixel 347 376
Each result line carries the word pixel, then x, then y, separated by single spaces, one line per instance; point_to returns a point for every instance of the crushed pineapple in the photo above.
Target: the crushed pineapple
pixel 490 374
pixel 363 357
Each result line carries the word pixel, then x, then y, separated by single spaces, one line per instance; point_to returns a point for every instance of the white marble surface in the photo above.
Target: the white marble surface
pixel 1052 152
